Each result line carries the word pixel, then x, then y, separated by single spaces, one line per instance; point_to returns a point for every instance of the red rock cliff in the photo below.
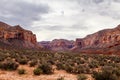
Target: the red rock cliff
pixel 8 32
pixel 106 39
pixel 57 44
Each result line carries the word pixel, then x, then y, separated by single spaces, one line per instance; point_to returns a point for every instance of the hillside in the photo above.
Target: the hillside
pixel 105 41
pixel 16 37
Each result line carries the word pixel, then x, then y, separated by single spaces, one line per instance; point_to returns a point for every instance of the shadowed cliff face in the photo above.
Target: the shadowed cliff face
pixel 108 39
pixel 57 44
pixel 17 36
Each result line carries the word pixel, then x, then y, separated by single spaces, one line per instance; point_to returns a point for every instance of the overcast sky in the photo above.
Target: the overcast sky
pixel 68 19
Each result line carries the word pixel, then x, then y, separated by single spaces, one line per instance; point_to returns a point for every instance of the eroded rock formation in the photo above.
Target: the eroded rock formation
pixel 57 44
pixel 17 35
pixel 104 39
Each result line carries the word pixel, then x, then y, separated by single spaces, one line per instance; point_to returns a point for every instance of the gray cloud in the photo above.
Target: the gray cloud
pixel 117 0
pixel 59 28
pixel 55 28
pixel 101 7
pixel 49 28
pixel 21 12
pixel 98 1
pixel 69 19
pixel 79 27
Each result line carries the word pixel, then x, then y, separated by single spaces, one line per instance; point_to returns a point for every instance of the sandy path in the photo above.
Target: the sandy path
pixel 13 75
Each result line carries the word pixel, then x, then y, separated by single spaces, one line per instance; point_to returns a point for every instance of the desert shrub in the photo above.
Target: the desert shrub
pixel 9 65
pixel 23 61
pixel 117 72
pixel 21 71
pixel 87 70
pixel 37 71
pixel 104 76
pixel 62 66
pixel 73 63
pixel 82 61
pixel 61 78
pixel 107 73
pixel 102 63
pixel 82 69
pixel 59 66
pixel 69 68
pixel 32 63
pixel 2 56
pixel 93 64
pixel 51 62
pixel 46 68
pixel 81 77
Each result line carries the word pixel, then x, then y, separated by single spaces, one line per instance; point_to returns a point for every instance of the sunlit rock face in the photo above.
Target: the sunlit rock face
pixel 17 35
pixel 104 39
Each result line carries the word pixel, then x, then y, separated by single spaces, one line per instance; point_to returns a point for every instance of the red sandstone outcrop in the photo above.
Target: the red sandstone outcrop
pixel 104 39
pixel 57 44
pixel 17 35
pixel 61 45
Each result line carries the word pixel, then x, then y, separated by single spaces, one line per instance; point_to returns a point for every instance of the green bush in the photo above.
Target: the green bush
pixel 37 71
pixel 93 64
pixel 69 68
pixel 21 71
pixel 32 63
pixel 82 69
pixel 61 66
pixel 104 75
pixel 23 61
pixel 117 72
pixel 81 77
pixel 9 65
pixel 46 68
pixel 73 63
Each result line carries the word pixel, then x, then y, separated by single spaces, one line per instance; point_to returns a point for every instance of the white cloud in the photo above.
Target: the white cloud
pixel 71 19
pixel 78 18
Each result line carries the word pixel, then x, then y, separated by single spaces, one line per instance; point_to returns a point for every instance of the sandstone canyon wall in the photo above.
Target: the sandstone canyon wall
pixel 58 44
pixel 16 35
pixel 104 40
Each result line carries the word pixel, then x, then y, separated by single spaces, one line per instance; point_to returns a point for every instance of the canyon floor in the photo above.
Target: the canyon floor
pixel 13 75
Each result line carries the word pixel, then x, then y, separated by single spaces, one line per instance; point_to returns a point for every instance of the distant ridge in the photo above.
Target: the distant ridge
pixel 105 41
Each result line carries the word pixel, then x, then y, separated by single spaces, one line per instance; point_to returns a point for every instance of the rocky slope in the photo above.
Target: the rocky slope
pixel 104 41
pixel 57 44
pixel 16 36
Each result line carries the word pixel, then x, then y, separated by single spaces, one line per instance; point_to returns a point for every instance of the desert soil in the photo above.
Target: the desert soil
pixel 13 75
